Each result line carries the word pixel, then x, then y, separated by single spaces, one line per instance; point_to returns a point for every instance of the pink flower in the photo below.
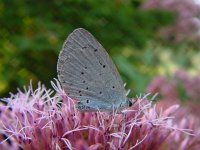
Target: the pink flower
pixel 47 119
pixel 187 116
pixel 180 87
pixel 187 24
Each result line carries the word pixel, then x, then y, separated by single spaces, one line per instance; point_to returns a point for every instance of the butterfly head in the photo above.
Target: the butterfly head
pixel 127 103
pixel 130 103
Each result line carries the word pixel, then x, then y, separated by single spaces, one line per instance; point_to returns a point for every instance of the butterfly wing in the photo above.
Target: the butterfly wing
pixel 86 71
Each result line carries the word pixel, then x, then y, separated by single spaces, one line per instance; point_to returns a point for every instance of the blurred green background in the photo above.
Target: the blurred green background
pixel 144 38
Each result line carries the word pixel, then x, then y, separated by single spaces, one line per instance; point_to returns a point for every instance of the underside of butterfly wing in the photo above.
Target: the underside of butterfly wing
pixel 87 73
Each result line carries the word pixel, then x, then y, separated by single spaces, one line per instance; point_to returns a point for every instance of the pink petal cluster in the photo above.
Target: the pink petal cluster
pixel 172 90
pixel 188 114
pixel 187 24
pixel 47 119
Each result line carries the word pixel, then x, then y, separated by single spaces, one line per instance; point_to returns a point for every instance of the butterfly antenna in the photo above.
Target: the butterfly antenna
pixel 127 92
pixel 125 84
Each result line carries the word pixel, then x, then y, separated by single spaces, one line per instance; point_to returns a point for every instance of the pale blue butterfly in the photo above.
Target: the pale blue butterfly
pixel 88 75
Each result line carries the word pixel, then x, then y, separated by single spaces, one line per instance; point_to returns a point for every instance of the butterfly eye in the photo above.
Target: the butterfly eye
pixel 130 103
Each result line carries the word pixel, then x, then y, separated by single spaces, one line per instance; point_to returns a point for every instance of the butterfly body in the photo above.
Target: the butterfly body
pixel 101 106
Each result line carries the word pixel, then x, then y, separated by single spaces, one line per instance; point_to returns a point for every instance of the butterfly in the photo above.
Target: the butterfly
pixel 88 75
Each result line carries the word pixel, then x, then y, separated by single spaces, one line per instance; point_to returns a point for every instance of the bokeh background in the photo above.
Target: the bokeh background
pixel 150 41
